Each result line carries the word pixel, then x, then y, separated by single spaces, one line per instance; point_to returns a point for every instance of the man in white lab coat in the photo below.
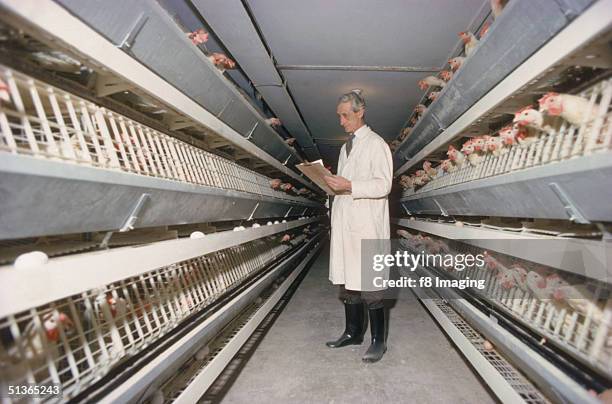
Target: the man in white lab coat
pixel 360 212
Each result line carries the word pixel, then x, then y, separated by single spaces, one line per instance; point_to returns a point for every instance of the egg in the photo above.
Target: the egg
pixel 31 260
pixel 197 234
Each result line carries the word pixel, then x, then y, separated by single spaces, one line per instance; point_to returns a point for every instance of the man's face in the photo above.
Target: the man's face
pixel 349 120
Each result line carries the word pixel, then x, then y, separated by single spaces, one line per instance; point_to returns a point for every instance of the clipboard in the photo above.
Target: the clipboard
pixel 315 170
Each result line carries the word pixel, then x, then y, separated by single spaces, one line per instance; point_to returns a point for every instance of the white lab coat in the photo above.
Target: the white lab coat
pixel 364 214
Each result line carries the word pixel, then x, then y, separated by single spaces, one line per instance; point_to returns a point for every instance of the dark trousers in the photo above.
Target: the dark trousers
pixel 374 300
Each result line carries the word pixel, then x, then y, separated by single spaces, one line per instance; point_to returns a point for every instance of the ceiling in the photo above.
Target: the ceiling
pixel 324 48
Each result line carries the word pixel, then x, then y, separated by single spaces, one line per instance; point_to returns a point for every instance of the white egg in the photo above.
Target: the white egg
pixel 284 221
pixel 238 228
pixel 202 353
pixel 256 225
pixel 31 260
pixel 487 346
pixel 197 234
pixel 459 224
pixel 276 222
pixel 269 224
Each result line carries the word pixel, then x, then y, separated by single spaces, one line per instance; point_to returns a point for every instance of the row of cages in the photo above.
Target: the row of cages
pixel 39 120
pixel 568 310
pixel 77 340
pixel 533 140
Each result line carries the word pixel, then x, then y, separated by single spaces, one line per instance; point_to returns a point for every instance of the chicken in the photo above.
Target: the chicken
pixel 507 277
pixel 36 346
pixel 285 238
pixel 456 62
pixel 275 183
pixel 470 42
pixel 286 186
pixel 447 166
pixel 433 95
pixel 394 145
pixel 580 298
pixel 572 108
pixel 473 149
pixel 446 75
pixel 198 36
pixel 491 263
pixel 290 141
pixel 432 172
pixel 420 178
pixel 404 134
pixel 403 233
pixel 303 191
pixel 273 122
pixel 222 62
pixel 538 286
pixel 508 135
pixel 495 145
pixel 530 122
pixel 484 30
pixel 431 81
pixel 420 109
pixel 455 156
pixel 497 7
pixel 406 182
pixel 5 94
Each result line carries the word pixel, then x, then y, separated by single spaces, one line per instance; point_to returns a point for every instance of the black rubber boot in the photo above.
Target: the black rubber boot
pixel 355 327
pixel 377 327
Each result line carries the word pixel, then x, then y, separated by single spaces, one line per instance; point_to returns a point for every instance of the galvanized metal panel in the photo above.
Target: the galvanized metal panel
pixel 232 24
pixel 527 193
pixel 102 200
pixel 522 28
pixel 113 19
pixel 162 46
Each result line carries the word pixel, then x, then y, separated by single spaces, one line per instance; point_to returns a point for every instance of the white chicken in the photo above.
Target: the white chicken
pixel 446 75
pixel 431 81
pixel 432 172
pixel 470 42
pixel 497 6
pixel 5 95
pixel 273 122
pixel 474 150
pixel 36 345
pixel 275 183
pixel 433 95
pixel 222 62
pixel 447 166
pixel 420 109
pixel 198 36
pixel 406 182
pixel 580 298
pixel 456 62
pixel 572 108
pixel 530 122
pixel 495 145
pixel 455 156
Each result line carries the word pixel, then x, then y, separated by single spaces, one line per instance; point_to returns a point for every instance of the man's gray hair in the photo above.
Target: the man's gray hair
pixel 355 98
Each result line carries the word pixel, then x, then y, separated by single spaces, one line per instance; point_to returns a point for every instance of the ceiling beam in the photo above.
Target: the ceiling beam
pixel 362 68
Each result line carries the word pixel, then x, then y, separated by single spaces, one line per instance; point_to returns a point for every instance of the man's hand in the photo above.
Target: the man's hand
pixel 338 183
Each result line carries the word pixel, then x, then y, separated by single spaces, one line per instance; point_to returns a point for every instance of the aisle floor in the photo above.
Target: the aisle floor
pixel 291 364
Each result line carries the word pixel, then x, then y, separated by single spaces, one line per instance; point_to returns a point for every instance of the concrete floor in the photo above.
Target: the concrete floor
pixel 291 364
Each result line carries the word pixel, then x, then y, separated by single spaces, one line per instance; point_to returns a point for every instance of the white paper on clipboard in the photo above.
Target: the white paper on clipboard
pixel 315 170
